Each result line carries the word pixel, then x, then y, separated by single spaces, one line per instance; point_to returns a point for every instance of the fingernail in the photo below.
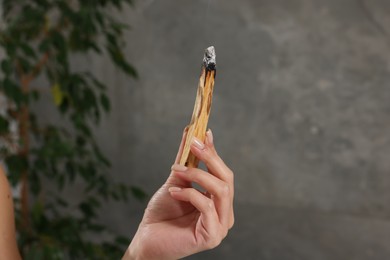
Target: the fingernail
pixel 210 138
pixel 178 168
pixel 198 143
pixel 174 189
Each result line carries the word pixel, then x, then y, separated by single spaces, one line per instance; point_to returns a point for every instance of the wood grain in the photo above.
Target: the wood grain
pixel 200 116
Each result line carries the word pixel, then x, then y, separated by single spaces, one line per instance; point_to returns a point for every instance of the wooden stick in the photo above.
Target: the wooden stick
pixel 200 116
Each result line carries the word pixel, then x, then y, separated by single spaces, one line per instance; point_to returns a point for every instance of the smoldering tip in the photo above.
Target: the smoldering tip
pixel 209 59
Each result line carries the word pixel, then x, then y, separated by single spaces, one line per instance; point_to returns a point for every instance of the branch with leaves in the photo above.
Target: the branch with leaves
pixel 38 38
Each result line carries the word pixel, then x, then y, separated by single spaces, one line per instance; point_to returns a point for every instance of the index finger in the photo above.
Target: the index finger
pixel 206 152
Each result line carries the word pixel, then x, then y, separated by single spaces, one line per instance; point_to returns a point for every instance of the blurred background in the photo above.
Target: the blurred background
pixel 301 113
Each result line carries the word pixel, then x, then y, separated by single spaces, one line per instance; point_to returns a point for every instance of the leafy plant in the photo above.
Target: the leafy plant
pixel 38 37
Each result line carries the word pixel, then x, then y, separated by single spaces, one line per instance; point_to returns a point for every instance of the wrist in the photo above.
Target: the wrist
pixel 129 255
pixel 132 252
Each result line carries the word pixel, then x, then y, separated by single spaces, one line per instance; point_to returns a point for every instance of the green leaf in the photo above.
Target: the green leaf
pixel 105 102
pixel 61 182
pixel 4 125
pixel 28 51
pixel 58 40
pixel 100 157
pixel 58 95
pixel 6 67
pixel 43 3
pixel 25 64
pixel 119 27
pixel 16 165
pixel 62 202
pixel 34 94
pixel 87 210
pixel 100 19
pixel 40 164
pixel 13 91
pixel 34 182
pixel 35 252
pixel 96 228
pixel 37 212
pixel 121 240
pixel 138 193
pixel 71 170
pixel 120 61
pixel 89 99
pixel 85 129
pixel 62 157
pixel 44 45
pixel 93 202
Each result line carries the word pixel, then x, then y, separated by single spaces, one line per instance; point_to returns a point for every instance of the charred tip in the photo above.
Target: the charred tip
pixel 209 60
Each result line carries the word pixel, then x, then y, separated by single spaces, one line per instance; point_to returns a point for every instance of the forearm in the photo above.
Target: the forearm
pixel 130 254
pixel 8 246
pixel 133 251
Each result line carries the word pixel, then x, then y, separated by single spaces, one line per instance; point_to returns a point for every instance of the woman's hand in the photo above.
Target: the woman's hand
pixel 180 220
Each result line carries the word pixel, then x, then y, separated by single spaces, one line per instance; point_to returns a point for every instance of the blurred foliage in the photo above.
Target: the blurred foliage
pixel 38 37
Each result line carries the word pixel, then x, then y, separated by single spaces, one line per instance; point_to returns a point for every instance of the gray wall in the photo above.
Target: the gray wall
pixel 301 114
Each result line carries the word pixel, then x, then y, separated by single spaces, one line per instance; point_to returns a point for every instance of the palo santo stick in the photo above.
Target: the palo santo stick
pixel 200 116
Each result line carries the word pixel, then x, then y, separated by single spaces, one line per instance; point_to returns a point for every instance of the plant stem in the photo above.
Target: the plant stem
pixel 37 68
pixel 24 135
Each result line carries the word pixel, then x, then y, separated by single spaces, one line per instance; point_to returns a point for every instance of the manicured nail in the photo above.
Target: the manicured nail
pixel 178 168
pixel 198 143
pixel 210 138
pixel 174 189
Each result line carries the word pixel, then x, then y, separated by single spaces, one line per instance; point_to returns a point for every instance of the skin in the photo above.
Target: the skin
pixel 8 247
pixel 180 220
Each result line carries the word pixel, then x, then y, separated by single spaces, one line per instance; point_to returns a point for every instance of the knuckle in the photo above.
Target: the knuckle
pixel 191 195
pixel 224 190
pixel 224 233
pixel 213 242
pixel 231 222
pixel 230 176
pixel 210 205
pixel 190 175
pixel 207 154
pixel 209 144
pixel 195 177
pixel 216 239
